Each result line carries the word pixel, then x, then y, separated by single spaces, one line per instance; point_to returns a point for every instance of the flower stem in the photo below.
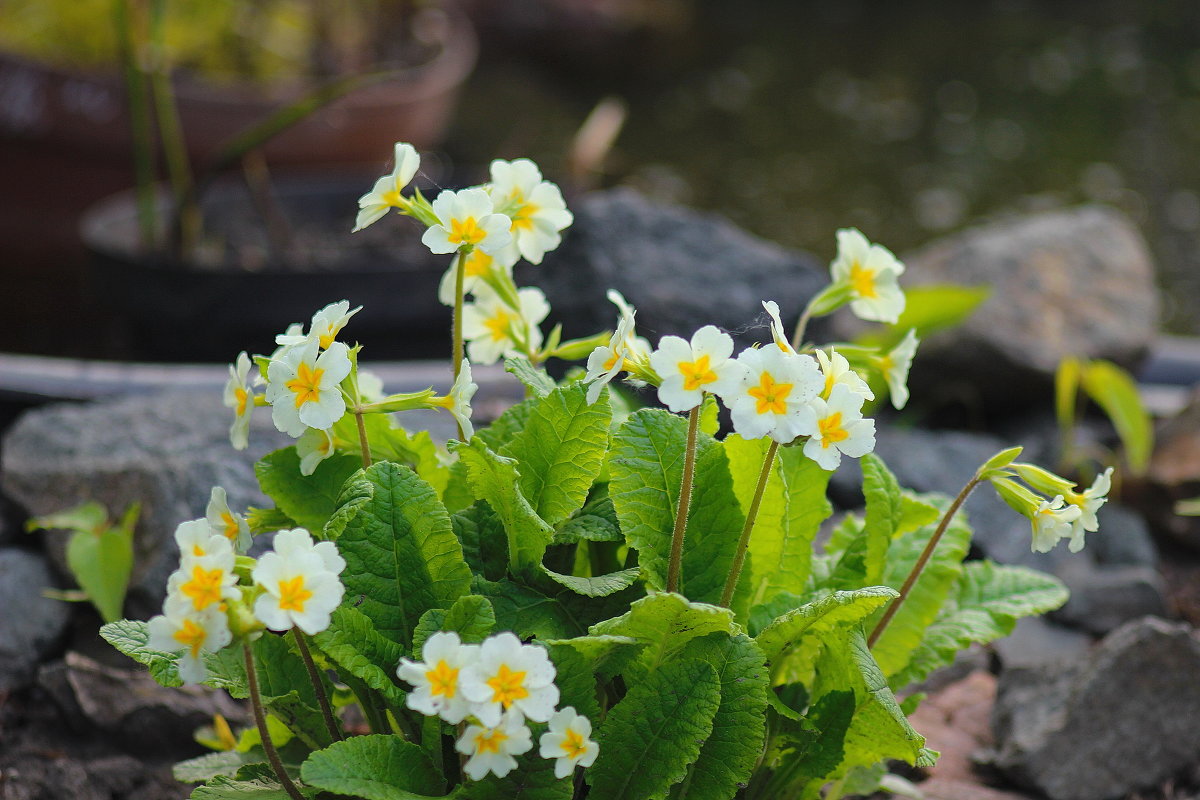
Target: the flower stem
pixel 739 554
pixel 460 277
pixel 363 444
pixel 313 676
pixel 685 500
pixel 260 719
pixel 881 626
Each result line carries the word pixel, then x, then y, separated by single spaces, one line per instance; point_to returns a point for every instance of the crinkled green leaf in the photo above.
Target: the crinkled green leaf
pixel 287 690
pixel 792 509
pixel 710 422
pixel 402 556
pixel 390 442
pixel 496 479
pixel 528 612
pixel 664 623
pixel 484 543
pixel 916 513
pixel 650 738
pixel 507 425
pixel 820 617
pixel 987 601
pixel 729 754
pixel 882 494
pixel 212 765
pixel 310 500
pixel 357 648
pixel 471 617
pixel 714 524
pixel 806 750
pixel 587 528
pixel 576 680
pixel 535 379
pixel 375 767
pixel 560 450
pixel 597 586
pixel 605 655
pixel 130 637
pixel 223 788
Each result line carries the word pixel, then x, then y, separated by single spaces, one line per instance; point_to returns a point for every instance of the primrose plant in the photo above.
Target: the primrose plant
pixel 582 599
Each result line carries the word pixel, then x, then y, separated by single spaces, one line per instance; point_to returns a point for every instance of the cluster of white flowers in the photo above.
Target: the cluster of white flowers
pixel 495 687
pixel 295 585
pixel 1064 513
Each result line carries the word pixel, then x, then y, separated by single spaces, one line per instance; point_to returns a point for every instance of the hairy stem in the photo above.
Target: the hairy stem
pixel 260 719
pixel 739 555
pixel 881 626
pixel 685 501
pixel 318 687
pixel 460 263
pixel 363 444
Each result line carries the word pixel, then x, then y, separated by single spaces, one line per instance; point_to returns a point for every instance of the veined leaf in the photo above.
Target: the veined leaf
pixel 882 494
pixel 287 690
pixel 308 499
pixel 597 586
pixel 484 542
pixel 587 528
pixel 130 637
pixel 664 624
pixel 576 681
pixel 731 751
pixel 507 425
pixel 654 734
pixel 389 442
pixel 536 379
pixel 223 788
pixel 1115 391
pixel 604 655
pixel 376 767
pixel 352 643
pixel 528 612
pixel 807 750
pixel 471 617
pixel 401 553
pixel 819 618
pixel 560 450
pixel 714 525
pixel 495 479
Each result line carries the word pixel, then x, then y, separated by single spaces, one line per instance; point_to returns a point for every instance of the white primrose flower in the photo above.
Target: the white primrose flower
pixel 466 219
pixel 301 583
pixel 777 332
pixel 895 365
pixel 182 628
pixel 836 427
pixel 223 521
pixel 568 742
pixel 240 397
pixel 491 749
pixel 494 329
pixel 385 193
pixel 458 402
pixel 303 388
pixel 325 326
pixel 870 270
pixel 1053 520
pixel 837 371
pixel 196 539
pixel 607 360
pixel 477 266
pixel 435 681
pixel 1089 502
pixel 774 387
pixel 689 369
pixel 313 447
pixel 208 580
pixel 535 206
pixel 509 676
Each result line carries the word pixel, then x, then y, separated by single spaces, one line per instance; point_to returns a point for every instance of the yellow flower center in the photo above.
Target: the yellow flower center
pixel 466 231
pixel 613 360
pixel 478 264
pixel 829 381
pixel 507 686
pixel 328 336
pixel 306 385
pixel 293 595
pixel 231 525
pixel 498 325
pixel 205 586
pixel 863 281
pixel 885 363
pixel 191 636
pixel 573 745
pixel 522 218
pixel 443 680
pixel 242 396
pixel 771 396
pixel 832 430
pixel 490 741
pixel 393 198
pixel 697 373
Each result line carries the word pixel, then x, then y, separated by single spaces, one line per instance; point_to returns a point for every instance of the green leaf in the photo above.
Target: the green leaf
pixel 101 563
pixel 576 680
pixel 484 542
pixel 1115 391
pixel 1000 460
pixel 654 734
pixel 287 689
pixel 223 788
pixel 597 586
pixel 710 422
pixel 928 309
pixel 1066 391
pixel 604 655
pixel 807 750
pixel 791 511
pixel 714 525
pixel 587 528
pixel 130 637
pixel 988 600
pixel 729 754
pixel 266 520
pixel 211 765
pixel 528 612
pixel 507 425
pixel 882 494
pixel 357 648
pixel 89 517
pixel 401 553
pixel 471 617
pixel 495 479
pixel 664 624
pixel 561 450
pixel 376 767
pixel 308 499
pixel 820 617
pixel 536 380
pixel 533 779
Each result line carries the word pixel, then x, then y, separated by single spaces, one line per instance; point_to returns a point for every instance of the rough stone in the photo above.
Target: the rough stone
pixel 1124 717
pixel 1104 598
pixel 1123 539
pixel 1174 474
pixel 165 451
pixel 1077 282
pixel 680 268
pixel 954 721
pixel 1036 641
pixel 31 624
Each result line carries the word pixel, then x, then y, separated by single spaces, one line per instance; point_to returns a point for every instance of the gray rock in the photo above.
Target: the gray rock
pixel 165 451
pixel 1124 717
pixel 1103 598
pixel 1123 539
pixel 680 268
pixel 1036 641
pixel 30 625
pixel 1174 474
pixel 1077 282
